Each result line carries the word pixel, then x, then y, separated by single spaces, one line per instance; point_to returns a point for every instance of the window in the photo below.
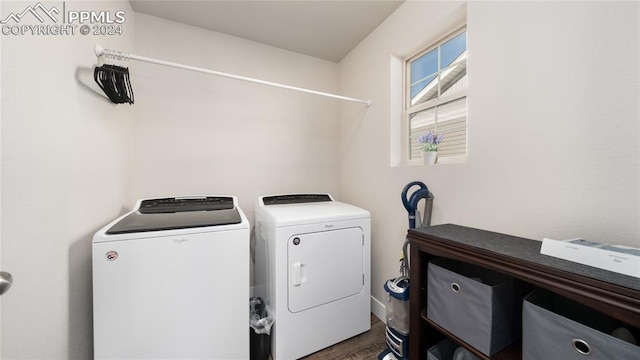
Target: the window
pixel 436 96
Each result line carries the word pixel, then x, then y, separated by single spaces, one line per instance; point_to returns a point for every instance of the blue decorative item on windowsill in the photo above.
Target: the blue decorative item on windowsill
pixel 429 144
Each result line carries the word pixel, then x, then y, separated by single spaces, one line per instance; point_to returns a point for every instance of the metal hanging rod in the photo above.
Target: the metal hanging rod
pixel 119 55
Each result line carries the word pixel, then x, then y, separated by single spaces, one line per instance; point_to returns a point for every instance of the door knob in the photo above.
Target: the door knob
pixel 5 281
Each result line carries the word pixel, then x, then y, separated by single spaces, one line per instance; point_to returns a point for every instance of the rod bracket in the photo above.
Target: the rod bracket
pixel 99 50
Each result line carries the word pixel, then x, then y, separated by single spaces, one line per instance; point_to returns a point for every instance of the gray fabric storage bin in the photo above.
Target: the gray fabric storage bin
pixel 446 350
pixel 442 350
pixel 485 315
pixel 554 327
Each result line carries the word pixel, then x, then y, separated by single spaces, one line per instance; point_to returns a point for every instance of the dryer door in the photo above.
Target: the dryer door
pixel 324 267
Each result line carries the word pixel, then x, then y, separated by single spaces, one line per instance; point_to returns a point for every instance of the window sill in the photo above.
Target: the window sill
pixel 441 161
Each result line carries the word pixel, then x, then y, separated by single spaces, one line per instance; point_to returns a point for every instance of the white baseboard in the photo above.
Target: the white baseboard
pixel 378 309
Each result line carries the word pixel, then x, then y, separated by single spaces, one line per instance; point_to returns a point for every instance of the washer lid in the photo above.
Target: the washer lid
pixel 178 213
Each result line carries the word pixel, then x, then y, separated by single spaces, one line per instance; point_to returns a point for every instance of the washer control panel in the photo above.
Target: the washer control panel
pixel 173 205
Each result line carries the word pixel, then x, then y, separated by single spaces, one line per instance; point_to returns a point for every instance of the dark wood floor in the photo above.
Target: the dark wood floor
pixel 365 346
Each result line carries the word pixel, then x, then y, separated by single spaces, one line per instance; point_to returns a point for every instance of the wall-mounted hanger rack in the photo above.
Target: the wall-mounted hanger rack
pixel 119 55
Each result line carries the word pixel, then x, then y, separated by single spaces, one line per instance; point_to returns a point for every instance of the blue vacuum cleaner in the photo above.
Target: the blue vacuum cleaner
pixel 397 307
pixel 411 204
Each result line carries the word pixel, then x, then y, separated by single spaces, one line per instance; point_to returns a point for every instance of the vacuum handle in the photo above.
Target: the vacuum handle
pixel 403 195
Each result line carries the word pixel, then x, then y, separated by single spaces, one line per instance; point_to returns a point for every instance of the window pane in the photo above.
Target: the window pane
pixel 424 90
pixel 454 78
pixel 419 124
pixel 453 49
pixel 452 122
pixel 422 118
pixel 424 66
pixel 452 110
pixel 449 119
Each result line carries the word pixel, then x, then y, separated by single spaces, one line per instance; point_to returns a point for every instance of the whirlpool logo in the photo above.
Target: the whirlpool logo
pixel 111 255
pixel 58 20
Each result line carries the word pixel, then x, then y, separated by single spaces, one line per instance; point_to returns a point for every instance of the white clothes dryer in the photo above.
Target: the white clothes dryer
pixel 171 281
pixel 313 269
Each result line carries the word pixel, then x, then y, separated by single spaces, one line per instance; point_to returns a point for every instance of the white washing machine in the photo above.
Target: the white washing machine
pixel 313 265
pixel 171 281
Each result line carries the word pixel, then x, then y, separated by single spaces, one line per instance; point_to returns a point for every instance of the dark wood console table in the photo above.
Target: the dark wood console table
pixel 611 293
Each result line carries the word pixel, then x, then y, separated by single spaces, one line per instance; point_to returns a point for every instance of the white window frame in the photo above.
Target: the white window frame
pixel 407 109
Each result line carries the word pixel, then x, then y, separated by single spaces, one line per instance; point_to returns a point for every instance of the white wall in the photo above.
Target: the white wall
pixel 71 161
pixel 1 186
pixel 202 134
pixel 540 73
pixel 66 170
pixel 553 124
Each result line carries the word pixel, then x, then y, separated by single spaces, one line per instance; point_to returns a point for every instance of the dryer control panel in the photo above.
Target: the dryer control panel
pixel 295 199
